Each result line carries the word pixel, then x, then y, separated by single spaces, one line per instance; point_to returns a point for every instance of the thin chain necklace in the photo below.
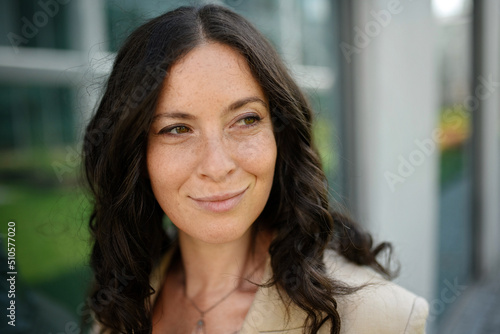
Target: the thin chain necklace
pixel 200 324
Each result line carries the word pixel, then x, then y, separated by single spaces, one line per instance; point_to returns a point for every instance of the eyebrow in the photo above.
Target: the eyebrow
pixel 232 107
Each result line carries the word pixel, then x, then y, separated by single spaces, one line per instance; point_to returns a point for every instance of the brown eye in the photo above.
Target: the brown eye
pixel 249 120
pixel 175 130
pixel 181 129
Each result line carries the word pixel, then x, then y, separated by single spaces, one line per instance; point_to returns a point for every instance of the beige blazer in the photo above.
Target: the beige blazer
pixel 380 308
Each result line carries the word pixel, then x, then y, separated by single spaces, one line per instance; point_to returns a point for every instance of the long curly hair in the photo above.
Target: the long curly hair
pixel 126 221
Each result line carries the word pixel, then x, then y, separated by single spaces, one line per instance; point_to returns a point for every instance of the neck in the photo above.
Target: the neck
pixel 218 268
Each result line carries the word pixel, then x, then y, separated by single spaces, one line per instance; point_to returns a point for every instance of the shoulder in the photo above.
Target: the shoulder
pixel 156 279
pixel 380 306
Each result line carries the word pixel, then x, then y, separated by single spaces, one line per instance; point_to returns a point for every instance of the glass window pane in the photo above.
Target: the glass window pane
pixel 456 113
pixel 43 24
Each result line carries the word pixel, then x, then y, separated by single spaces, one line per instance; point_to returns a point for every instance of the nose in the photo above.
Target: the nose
pixel 216 160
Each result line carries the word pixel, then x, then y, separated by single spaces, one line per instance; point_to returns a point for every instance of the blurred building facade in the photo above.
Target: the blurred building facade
pixel 406 94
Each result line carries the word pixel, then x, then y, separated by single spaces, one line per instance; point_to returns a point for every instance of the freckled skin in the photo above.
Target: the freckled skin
pixel 214 150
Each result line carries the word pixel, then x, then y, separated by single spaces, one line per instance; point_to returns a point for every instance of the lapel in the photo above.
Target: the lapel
pixel 267 314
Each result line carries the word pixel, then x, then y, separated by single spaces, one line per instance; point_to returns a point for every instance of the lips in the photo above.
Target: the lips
pixel 220 202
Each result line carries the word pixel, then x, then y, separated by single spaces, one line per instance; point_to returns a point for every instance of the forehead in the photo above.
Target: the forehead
pixel 212 72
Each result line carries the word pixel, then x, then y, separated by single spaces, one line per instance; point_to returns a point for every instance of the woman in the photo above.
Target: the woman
pixel 200 122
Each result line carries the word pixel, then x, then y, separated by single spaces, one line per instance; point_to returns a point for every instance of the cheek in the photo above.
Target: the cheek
pixel 258 156
pixel 167 170
pixel 166 173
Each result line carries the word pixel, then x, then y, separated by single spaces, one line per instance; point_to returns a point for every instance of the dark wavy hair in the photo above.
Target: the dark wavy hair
pixel 126 221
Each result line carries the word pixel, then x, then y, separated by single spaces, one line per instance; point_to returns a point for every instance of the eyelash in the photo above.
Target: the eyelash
pixel 167 130
pixel 255 117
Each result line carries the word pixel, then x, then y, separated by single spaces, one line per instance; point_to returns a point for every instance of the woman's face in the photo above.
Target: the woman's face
pixel 211 148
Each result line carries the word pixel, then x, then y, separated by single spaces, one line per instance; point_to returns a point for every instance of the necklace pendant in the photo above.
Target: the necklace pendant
pixel 200 327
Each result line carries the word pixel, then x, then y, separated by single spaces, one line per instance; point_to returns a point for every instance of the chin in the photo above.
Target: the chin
pixel 220 234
